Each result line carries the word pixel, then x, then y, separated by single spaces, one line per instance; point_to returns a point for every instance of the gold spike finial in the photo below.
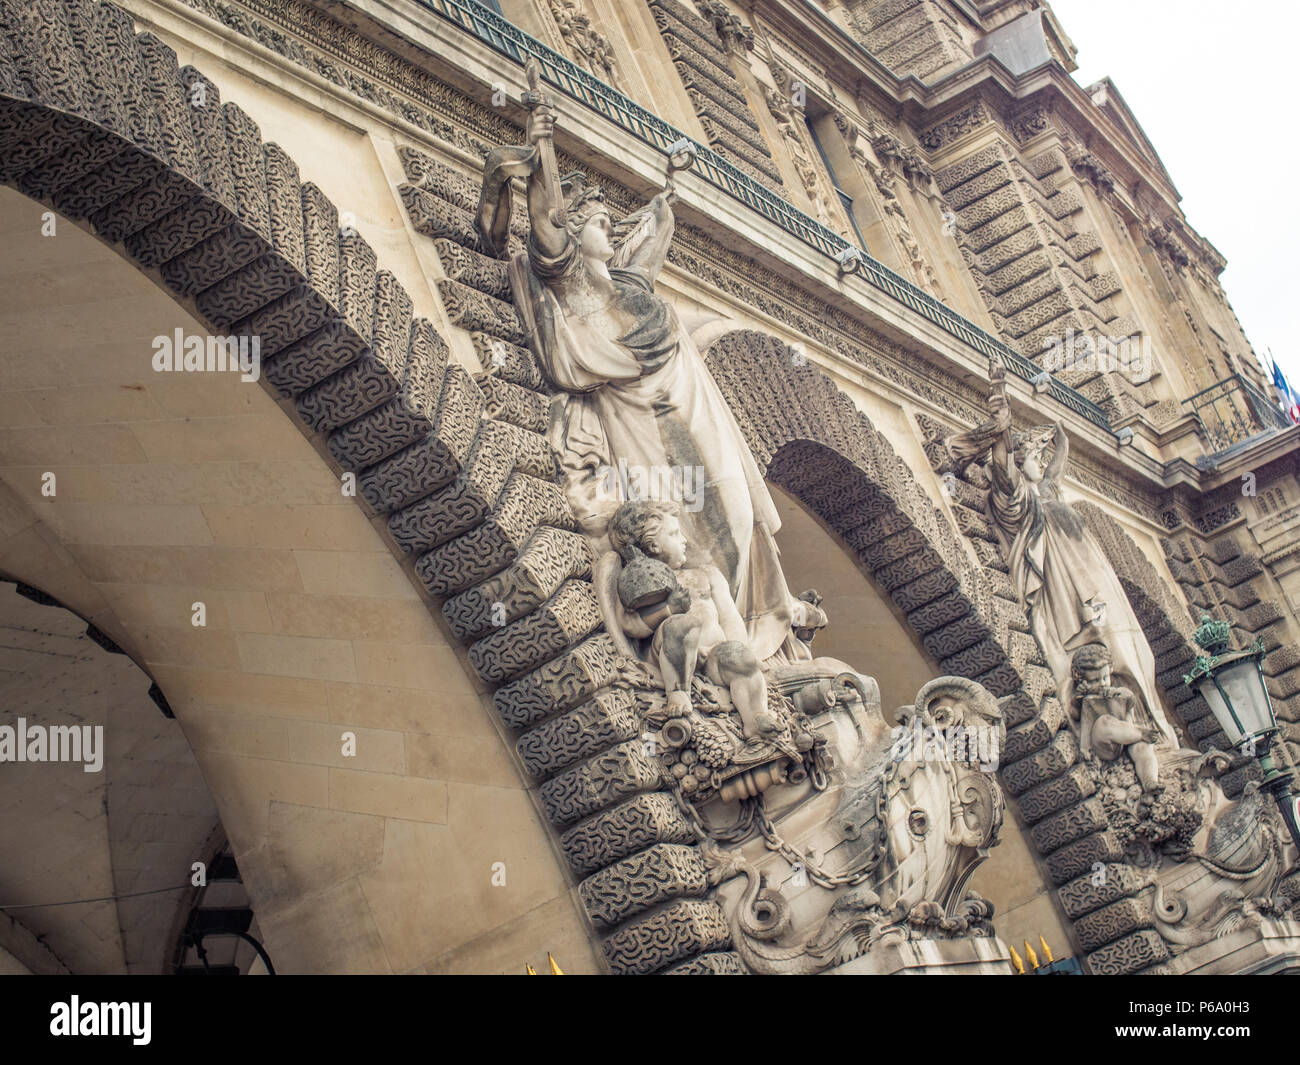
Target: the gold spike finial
pixel 555 968
pixel 1015 960
pixel 529 970
pixel 1047 951
pixel 1030 956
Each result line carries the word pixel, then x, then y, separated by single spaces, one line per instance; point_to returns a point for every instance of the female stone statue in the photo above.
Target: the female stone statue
pixel 1064 578
pixel 635 392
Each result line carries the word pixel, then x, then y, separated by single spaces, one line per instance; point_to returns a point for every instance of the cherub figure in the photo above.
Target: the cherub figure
pixel 1109 716
pixel 686 611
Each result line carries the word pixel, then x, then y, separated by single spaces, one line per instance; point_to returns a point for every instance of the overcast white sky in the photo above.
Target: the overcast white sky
pixel 1213 85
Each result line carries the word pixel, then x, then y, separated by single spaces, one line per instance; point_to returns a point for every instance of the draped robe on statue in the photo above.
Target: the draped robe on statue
pixel 1062 573
pixel 645 401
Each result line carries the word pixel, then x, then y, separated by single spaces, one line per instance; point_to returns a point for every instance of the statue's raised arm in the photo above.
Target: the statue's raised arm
pixel 535 162
pixel 998 429
pixel 1060 457
pixel 642 239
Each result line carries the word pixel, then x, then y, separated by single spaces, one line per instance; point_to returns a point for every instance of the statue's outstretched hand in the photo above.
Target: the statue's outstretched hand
pixel 997 373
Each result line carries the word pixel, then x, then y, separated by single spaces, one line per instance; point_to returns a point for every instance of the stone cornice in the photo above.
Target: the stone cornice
pixel 846 61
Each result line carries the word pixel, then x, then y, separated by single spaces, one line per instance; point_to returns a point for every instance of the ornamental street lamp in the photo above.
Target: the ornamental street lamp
pixel 1232 683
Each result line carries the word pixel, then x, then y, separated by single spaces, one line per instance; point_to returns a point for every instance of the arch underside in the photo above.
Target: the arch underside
pixel 99 123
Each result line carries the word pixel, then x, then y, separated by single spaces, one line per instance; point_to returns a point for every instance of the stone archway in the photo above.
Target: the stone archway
pixel 99 124
pixel 108 802
pixel 813 441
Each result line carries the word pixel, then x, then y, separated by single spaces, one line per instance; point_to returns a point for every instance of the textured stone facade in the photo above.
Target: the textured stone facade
pixel 424 387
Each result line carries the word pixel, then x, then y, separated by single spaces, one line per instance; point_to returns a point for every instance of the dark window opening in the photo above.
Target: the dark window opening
pixel 846 201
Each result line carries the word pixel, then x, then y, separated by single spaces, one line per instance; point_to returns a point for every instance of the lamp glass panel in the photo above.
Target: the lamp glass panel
pixel 1220 710
pixel 1244 687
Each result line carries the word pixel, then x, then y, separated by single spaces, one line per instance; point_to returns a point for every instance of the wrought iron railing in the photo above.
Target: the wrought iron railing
pixel 1233 410
pixel 509 40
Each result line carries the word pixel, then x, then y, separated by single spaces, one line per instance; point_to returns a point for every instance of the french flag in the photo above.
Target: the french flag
pixel 1286 394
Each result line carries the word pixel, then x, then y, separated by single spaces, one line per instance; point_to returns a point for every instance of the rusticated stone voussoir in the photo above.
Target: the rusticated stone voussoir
pixel 658 874
pixel 1076 783
pixel 645 819
pixel 1084 854
pixel 676 932
pixel 618 773
pixel 603 721
pixel 1102 884
pixel 1130 954
pixel 1112 922
pixel 1069 825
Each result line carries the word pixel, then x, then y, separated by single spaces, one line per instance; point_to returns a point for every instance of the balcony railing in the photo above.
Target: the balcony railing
pixel 509 40
pixel 1233 410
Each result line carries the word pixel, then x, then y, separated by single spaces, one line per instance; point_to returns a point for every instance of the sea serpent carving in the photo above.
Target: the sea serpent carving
pixel 853 925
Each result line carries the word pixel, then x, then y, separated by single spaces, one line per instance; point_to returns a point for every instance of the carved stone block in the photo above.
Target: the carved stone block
pixel 955 637
pixel 1051 761
pixel 358 272
pixel 71 165
pixel 284 205
pixel 164 91
pixel 213 260
pixel 939 612
pixel 433 462
pixel 561 683
pixel 598 782
pixel 474 269
pixel 248 170
pixel 511 403
pixel 1024 740
pixel 549 558
pixel 1076 783
pixel 1129 955
pixel 453 510
pixel 250 288
pixel 525 504
pixel 475 311
pixel 1069 825
pixel 294 315
pixel 314 358
pixel 320 220
pixel 130 169
pixel 676 932
pixel 1071 860
pixel 409 416
pixel 178 231
pixel 631 886
pixel 1111 922
pixel 560 623
pixel 608 718
pixel 648 818
pixel 437 218
pixel 1099 887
